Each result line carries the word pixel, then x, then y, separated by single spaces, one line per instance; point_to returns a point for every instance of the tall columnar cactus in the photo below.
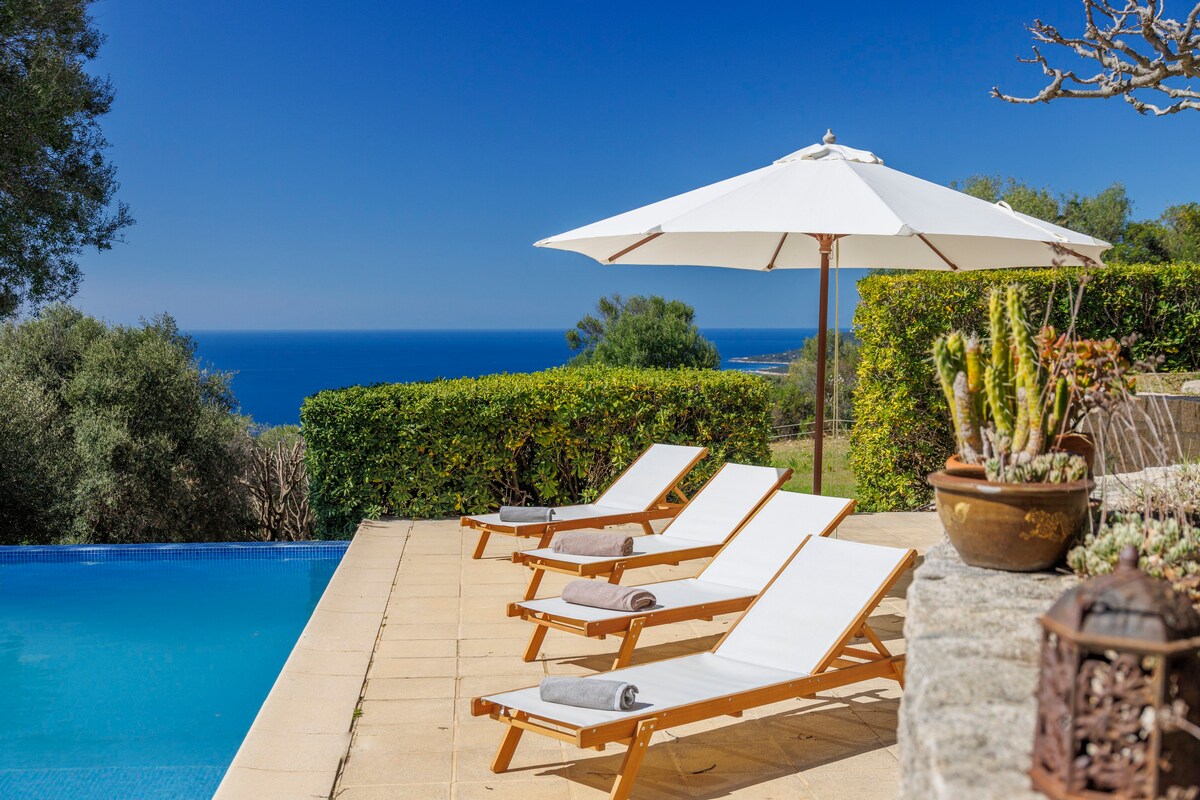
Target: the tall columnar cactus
pixel 958 361
pixel 998 378
pixel 1002 401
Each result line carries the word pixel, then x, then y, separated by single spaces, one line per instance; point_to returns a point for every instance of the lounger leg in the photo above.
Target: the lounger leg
pixel 629 642
pixel 483 537
pixel 648 528
pixel 535 580
pixel 634 756
pixel 614 577
pixel 535 642
pixel 508 746
pixel 898 669
pixel 544 542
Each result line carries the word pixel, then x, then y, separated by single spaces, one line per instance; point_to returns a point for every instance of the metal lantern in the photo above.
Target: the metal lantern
pixel 1119 695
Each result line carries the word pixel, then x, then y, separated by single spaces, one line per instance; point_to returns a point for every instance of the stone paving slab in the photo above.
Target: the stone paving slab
pixel 445 639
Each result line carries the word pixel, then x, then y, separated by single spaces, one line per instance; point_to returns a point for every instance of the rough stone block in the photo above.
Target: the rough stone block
pixel 966 721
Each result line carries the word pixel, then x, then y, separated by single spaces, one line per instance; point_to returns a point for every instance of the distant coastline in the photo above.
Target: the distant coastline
pixel 276 370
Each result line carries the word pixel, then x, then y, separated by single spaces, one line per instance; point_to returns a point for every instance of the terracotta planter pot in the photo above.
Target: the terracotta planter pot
pixel 1017 527
pixel 956 466
pixel 1080 444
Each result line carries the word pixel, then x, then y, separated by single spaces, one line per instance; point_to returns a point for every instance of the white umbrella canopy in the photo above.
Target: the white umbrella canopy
pixel 885 219
pixel 788 214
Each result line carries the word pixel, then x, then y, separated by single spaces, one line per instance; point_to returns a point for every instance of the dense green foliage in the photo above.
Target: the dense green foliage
pixel 794 395
pixel 642 332
pixel 56 186
pixel 112 434
pixel 1174 236
pixel 902 430
pixel 553 438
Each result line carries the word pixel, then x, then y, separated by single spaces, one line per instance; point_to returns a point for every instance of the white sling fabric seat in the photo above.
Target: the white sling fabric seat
pixel 638 495
pixel 793 641
pixel 717 511
pixel 805 614
pixel 730 582
pixel 661 685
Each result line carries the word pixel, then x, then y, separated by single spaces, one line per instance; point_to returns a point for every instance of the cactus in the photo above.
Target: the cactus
pixel 956 358
pixel 1003 402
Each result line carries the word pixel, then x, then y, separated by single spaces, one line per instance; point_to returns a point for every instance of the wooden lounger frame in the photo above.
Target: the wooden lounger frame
pixel 840 666
pixel 630 628
pixel 661 508
pixel 540 565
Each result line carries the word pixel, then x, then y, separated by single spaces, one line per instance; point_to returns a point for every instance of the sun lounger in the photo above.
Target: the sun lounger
pixel 639 495
pixel 794 641
pixel 730 582
pixel 701 529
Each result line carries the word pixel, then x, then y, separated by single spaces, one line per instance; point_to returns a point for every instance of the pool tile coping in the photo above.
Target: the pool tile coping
pixel 297 743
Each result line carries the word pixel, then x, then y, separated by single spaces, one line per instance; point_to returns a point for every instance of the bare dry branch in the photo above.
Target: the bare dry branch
pixel 1138 51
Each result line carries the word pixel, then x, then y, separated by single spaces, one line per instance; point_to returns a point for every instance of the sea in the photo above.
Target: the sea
pixel 275 370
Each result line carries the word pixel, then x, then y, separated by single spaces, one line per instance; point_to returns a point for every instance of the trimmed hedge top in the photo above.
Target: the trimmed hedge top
pixel 549 438
pixel 902 430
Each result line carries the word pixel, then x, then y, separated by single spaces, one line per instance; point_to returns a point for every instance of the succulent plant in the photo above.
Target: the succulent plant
pixel 1044 468
pixel 1167 547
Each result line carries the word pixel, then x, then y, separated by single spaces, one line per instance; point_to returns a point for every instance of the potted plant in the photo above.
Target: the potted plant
pixel 1014 496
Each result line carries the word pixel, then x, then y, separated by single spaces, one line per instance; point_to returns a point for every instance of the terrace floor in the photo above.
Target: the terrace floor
pixel 444 638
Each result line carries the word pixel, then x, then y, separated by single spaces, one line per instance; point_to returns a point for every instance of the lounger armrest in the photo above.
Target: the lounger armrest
pixel 482 707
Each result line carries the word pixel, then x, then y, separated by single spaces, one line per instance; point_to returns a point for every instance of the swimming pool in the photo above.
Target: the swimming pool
pixel 135 671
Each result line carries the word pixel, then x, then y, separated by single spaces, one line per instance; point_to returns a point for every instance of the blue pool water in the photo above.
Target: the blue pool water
pixel 135 672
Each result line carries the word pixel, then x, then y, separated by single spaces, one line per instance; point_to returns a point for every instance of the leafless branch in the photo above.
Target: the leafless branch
pixel 277 481
pixel 1165 60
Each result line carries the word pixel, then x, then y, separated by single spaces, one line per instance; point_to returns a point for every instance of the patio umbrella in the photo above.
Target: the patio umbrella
pixel 787 215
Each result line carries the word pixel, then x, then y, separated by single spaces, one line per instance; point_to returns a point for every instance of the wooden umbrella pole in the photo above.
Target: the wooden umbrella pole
pixel 826 243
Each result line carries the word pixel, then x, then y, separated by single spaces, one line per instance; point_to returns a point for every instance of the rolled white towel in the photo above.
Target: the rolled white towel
pixel 588 692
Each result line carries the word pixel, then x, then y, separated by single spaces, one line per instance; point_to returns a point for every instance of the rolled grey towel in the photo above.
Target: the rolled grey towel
pixel 588 692
pixel 601 543
pixel 526 514
pixel 600 594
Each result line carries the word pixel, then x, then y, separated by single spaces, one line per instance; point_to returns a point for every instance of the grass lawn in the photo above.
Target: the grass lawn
pixel 837 481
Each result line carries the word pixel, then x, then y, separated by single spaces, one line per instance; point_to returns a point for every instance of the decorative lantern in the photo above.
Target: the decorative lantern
pixel 1119 696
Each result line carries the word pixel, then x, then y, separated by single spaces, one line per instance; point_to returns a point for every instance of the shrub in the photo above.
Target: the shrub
pixel 556 437
pixel 113 434
pixel 902 430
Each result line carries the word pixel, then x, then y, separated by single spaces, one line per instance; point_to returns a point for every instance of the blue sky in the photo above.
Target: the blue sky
pixel 388 165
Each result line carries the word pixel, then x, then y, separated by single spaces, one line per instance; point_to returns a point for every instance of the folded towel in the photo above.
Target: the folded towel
pixel 583 543
pixel 526 514
pixel 588 692
pixel 600 594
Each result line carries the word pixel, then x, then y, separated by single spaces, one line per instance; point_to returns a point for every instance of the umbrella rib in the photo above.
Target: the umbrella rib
pixel 775 255
pixel 611 259
pixel 1059 248
pixel 929 244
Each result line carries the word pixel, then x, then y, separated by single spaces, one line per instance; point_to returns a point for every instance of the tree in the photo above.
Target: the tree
pixel 1021 197
pixel 794 395
pixel 642 332
pixel 1104 215
pixel 114 434
pixel 1139 54
pixel 1182 238
pixel 56 186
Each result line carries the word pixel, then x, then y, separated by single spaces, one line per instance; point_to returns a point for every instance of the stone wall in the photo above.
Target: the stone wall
pixel 972 638
pixel 1183 445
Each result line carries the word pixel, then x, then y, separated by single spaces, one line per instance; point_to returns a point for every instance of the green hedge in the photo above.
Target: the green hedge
pixel 549 438
pixel 902 431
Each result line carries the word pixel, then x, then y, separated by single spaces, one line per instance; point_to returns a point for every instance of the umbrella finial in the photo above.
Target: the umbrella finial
pixel 829 138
